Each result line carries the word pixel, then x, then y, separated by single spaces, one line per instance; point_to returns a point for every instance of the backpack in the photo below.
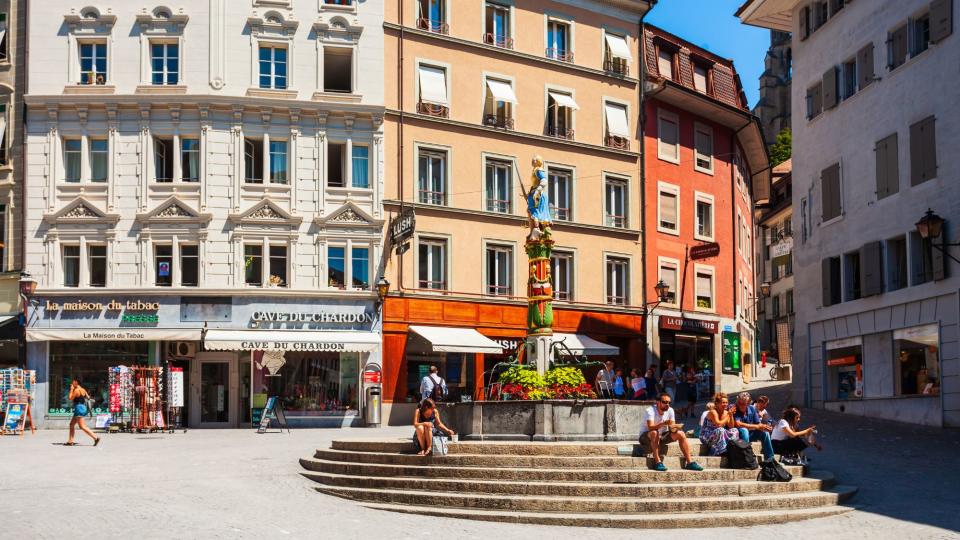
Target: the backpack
pixel 740 455
pixel 771 471
pixel 437 393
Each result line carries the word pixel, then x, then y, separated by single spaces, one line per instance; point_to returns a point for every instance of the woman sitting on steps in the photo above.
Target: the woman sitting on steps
pixel 426 425
pixel 790 441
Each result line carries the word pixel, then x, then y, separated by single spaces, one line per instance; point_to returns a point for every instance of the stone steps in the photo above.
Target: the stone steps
pixel 612 449
pixel 601 505
pixel 632 521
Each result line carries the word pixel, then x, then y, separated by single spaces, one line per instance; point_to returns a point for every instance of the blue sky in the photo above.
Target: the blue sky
pixel 711 24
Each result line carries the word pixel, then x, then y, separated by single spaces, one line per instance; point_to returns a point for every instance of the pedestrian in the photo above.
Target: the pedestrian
pixel 619 385
pixel 651 382
pixel 691 382
pixel 638 384
pixel 761 406
pixel 604 380
pixel 668 380
pixel 660 424
pixel 426 425
pixel 433 386
pixel 79 395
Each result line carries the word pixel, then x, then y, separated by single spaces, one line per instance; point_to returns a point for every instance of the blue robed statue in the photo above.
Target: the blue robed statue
pixel 538 200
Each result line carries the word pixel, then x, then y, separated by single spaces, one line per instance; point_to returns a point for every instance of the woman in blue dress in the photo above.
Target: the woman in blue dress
pixel 718 427
pixel 538 200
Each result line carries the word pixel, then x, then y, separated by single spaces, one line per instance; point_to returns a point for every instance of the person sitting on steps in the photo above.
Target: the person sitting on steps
pixel 426 425
pixel 790 441
pixel 751 426
pixel 660 424
pixel 718 427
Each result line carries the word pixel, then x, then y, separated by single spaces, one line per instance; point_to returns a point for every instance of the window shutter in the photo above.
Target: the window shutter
pixel 923 151
pixel 804 23
pixel 900 44
pixel 825 276
pixel 880 151
pixel 818 98
pixel 871 269
pixel 668 207
pixel 888 177
pixel 865 65
pixel 830 191
pixel 941 19
pixel 830 88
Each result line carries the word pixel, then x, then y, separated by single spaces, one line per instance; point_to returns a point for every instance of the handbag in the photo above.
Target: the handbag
pixel 439 445
pixel 771 471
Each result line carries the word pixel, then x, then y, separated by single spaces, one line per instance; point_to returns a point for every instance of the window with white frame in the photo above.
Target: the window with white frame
pixel 360 267
pixel 99 159
pixel 176 265
pixel 163 265
pixel 432 16
pixel 432 264
pixel 499 270
pixel 4 41
pixel 273 66
pixel 432 84
pixel 253 161
pixel 336 164
pixel 189 265
pixel 704 288
pixel 498 28
pixel 704 217
pixel 561 269
pixel 668 272
pixel 618 281
pixel 498 104
pixel 70 260
pixel 3 238
pixel 616 53
pixel 72 160
pixel 668 208
pixel 164 159
pixel 164 62
pixel 560 193
pixel 560 107
pixel 190 159
pixel 360 166
pixel 668 137
pixel 618 125
pixel 665 62
pixel 93 61
pixel 703 148
pixel 4 140
pixel 499 197
pixel 337 267
pixel 338 69
pixel 266 265
pixel 559 40
pixel 96 265
pixel 432 176
pixel 348 264
pixel 278 162
pixel 615 202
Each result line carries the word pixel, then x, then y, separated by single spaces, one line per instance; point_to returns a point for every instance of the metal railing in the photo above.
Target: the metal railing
pixel 495 121
pixel 438 198
pixel 620 143
pixel 560 132
pixel 430 109
pixel 559 54
pixel 430 25
pixel 503 42
pixel 501 206
pixel 616 66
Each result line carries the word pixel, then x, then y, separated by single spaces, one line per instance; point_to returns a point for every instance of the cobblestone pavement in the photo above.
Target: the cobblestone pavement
pixel 237 484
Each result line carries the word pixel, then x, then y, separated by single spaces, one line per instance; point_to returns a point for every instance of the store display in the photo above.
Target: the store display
pixel 17 391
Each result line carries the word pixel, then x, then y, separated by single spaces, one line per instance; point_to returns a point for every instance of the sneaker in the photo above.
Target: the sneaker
pixel 693 466
pixel 660 467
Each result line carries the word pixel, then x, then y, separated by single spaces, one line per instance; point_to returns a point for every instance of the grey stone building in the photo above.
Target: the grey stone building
pixel 773 109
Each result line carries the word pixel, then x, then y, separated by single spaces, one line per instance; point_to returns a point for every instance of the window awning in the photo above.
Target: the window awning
pixel 501 91
pixel 564 100
pixel 290 340
pixel 618 46
pixel 617 123
pixel 113 334
pixel 433 85
pixel 463 340
pixel 581 344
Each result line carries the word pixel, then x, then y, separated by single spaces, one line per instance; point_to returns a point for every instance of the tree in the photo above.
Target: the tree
pixel 781 149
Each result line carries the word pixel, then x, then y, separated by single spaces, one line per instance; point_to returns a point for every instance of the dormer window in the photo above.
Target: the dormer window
pixel 701 78
pixel 665 63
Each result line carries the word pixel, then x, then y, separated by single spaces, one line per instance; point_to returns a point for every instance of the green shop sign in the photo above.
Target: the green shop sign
pixel 731 352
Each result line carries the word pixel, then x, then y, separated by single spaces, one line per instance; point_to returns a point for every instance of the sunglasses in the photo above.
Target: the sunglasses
pixel 665 402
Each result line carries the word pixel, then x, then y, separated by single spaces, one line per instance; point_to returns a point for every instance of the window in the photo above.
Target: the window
pixel 665 63
pixel 835 6
pixel 337 69
pixel 560 107
pixel 558 41
pixel 560 193
pixel 164 63
pixel 499 194
pixel 253 161
pixel 823 13
pixel 190 160
pixel 278 266
pixel 617 55
pixel 336 267
pixel 898 47
pixel 845 369
pixel 789 301
pixel 805 22
pixel 71 159
pixel 923 151
pixel 814 100
pixel 704 289
pixel 189 265
pixel 3 237
pixel 618 126
pixel 336 158
pixel 338 2
pixel 163 265
pixel 831 281
pixel 163 159
pixel 888 166
pixel 71 266
pixel 498 104
pixel 4 128
pixel 896 273
pixel 703 149
pixel 273 67
pixel 917 360
pixel 775 306
pixel 704 217
pixel 498 26
pixel 90 362
pixel 432 177
pixel 668 137
pixel 919 34
pixel 499 270
pixel 98 160
pixel 804 220
pixel 432 264
pixel 360 267
pixel 851 270
pixel 97 265
pixel 618 281
pixel 668 209
pixel 433 16
pixel 865 72
pixel 921 259
pixel 4 47
pixel 700 76
pixel 668 274
pixel 830 191
pixel 93 63
pixel 253 264
pixel 433 99
pixel 278 162
pixel 561 269
pixel 361 166
pixel 616 203
pixel 849 75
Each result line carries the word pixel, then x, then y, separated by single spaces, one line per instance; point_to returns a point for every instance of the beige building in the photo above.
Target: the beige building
pixel 470 101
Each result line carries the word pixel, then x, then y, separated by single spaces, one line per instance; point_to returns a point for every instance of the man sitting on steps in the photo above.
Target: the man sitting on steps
pixel 659 424
pixel 751 427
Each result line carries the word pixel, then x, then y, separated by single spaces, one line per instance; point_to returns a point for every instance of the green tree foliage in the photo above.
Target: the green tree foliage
pixel 781 149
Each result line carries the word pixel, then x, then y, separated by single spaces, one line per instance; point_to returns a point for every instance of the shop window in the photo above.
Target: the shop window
pixel 616 203
pixel 93 62
pixel 705 290
pixel 99 163
pixel 253 161
pixel 432 264
pixel 164 63
pixel 278 266
pixel 361 166
pixel 432 177
pixel 561 269
pixel 253 264
pixel 336 267
pixel 499 186
pixel 88 362
pixel 456 369
pixel 273 67
pixel 618 281
pixel 97 265
pixel 917 360
pixel 498 31
pixel 499 270
pixel 338 69
pixel 190 160
pixel 278 162
pixel 360 267
pixel 163 265
pixel 189 265
pixel 71 266
pixel 845 369
pixel 72 159
pixel 336 158
pixel 311 384
pixel 694 351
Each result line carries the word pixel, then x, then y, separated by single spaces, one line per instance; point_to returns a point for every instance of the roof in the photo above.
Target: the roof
pixel 784 168
pixel 772 14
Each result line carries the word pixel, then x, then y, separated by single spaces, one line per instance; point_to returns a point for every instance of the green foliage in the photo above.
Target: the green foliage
pixel 703 303
pixel 525 376
pixel 538 395
pixel 781 149
pixel 564 376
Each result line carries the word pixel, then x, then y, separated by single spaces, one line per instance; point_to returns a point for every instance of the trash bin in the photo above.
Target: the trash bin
pixel 372 379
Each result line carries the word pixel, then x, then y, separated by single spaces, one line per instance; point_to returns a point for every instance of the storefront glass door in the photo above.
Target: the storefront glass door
pixel 215 391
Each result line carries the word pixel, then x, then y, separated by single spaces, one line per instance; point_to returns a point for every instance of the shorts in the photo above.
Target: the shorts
pixel 664 438
pixel 79 410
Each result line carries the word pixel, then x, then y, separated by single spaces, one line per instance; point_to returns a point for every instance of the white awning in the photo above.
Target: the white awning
pixel 581 344
pixel 290 340
pixel 617 123
pixel 564 100
pixel 464 340
pixel 433 85
pixel 113 334
pixel 618 46
pixel 501 91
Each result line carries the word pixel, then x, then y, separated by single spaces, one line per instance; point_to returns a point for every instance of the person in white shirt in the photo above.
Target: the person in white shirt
pixel 660 423
pixel 789 441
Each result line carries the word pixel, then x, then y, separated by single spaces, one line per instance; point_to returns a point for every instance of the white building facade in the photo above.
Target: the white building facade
pixel 874 126
pixel 204 192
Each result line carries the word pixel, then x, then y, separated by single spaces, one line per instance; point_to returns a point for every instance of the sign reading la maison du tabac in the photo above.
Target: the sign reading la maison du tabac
pixel 126 311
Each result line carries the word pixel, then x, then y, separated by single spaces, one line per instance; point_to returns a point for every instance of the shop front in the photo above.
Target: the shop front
pixel 690 342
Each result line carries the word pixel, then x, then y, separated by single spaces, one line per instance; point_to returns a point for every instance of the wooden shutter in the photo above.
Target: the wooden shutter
pixel 826 275
pixel 938 261
pixel 923 151
pixel 830 192
pixel 888 174
pixel 941 19
pixel 830 88
pixel 818 98
pixel 804 22
pixel 865 65
pixel 900 45
pixel 871 269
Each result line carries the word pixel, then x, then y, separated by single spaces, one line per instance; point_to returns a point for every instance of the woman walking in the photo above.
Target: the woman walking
pixel 718 427
pixel 79 395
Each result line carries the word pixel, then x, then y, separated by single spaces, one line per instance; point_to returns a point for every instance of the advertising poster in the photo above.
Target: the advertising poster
pixel 16 417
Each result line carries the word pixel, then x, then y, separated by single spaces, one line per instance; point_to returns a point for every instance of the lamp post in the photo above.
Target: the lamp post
pixel 930 227
pixel 28 286
pixel 383 287
pixel 663 290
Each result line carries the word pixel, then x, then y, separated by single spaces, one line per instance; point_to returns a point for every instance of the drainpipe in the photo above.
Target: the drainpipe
pixel 643 178
pixel 400 146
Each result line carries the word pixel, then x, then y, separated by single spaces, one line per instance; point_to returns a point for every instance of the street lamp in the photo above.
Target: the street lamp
pixel 765 289
pixel 383 287
pixel 28 285
pixel 662 290
pixel 929 227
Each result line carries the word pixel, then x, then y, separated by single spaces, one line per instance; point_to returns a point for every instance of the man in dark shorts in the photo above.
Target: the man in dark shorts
pixel 660 424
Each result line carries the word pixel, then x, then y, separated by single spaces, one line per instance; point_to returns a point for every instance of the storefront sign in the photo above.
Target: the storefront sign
pixel 403 226
pixel 781 248
pixel 731 352
pixel 113 305
pixel 291 346
pixel 704 251
pixel 372 377
pixel 322 317
pixel 509 345
pixel 842 361
pixel 688 325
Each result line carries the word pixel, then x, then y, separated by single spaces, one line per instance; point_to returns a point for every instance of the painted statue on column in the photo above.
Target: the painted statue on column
pixel 539 247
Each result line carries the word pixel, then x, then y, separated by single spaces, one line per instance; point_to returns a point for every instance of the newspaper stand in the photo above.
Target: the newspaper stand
pixel 120 379
pixel 148 403
pixel 174 399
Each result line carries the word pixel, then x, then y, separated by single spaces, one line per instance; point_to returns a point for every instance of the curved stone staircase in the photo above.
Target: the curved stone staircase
pixel 588 484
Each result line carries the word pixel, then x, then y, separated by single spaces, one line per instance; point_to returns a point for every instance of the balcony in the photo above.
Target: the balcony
pixel 616 66
pixel 437 198
pixel 437 27
pixel 560 132
pixel 430 109
pixel 559 54
pixel 500 122
pixel 503 42
pixel 618 143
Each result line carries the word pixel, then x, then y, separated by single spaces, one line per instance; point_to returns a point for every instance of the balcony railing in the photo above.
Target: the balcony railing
pixel 431 109
pixel 561 295
pixel 498 290
pixel 501 206
pixel 559 54
pixel 494 121
pixel 430 25
pixel 560 214
pixel 615 300
pixel 620 143
pixel 560 132
pixel 433 285
pixel 503 42
pixel 616 66
pixel 619 222
pixel 438 198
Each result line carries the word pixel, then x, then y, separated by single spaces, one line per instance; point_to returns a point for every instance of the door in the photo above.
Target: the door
pixel 214 385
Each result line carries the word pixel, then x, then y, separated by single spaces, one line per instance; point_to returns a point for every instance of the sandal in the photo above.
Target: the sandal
pixel 69 444
pixel 96 441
